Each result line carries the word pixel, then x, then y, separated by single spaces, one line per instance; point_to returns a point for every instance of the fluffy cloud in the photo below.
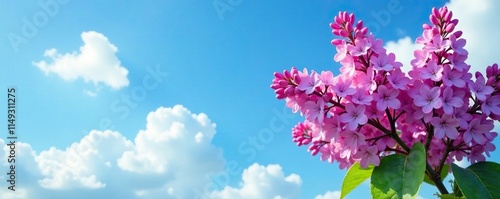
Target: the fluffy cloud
pixel 96 62
pixel 403 49
pixel 329 195
pixel 474 21
pixel 263 182
pixel 168 159
pixel 173 157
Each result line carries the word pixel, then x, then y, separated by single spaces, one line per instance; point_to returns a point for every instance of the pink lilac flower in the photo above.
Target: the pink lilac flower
pixel 462 116
pixel 337 108
pixel 398 80
pixel 331 129
pixel 377 44
pixel 342 87
pixel 353 140
pixel 445 125
pixel 420 58
pixel 458 45
pixel 433 71
pixel 315 110
pixel 326 78
pixel 360 47
pixel 438 44
pixel 458 62
pixel 426 37
pixel 476 155
pixel 348 66
pixel 428 99
pixel 475 132
pixel 385 62
pixel 341 51
pixel 367 155
pixel 309 82
pixel 354 116
pixel 491 105
pixel 450 101
pixel 480 89
pixel 386 98
pixel 452 77
pixel 361 97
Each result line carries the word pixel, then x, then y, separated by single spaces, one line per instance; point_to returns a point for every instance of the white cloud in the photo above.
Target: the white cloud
pixel 170 158
pixel 403 49
pixel 329 195
pixel 475 20
pixel 263 182
pixel 96 62
pixel 475 23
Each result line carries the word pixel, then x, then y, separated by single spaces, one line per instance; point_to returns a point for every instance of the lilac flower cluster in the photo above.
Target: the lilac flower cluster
pixel 372 108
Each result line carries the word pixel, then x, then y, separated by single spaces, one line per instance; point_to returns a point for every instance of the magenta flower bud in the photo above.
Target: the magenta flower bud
pixel 489 71
pixel 305 141
pixel 289 90
pixel 297 90
pixel 283 83
pixel 280 96
pixel 280 91
pixel 495 66
pixel 448 16
pixel 349 27
pixel 435 12
pixel 275 86
pixel 364 30
pixel 338 20
pixel 351 18
pixel 286 74
pixel 337 42
pixel 344 16
pixel 335 26
pixel 442 12
pixel 450 27
pixel 313 149
pixel 336 32
pixel 454 21
pixel 434 20
pixel 435 31
pixel 359 25
pixel 278 75
pixel 458 34
pixel 426 26
pixel 294 71
pixel 296 77
pixel 344 33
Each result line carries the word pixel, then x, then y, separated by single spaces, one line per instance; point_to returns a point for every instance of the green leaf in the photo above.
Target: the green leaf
pixel 444 173
pixel 399 176
pixel 479 180
pixel 354 177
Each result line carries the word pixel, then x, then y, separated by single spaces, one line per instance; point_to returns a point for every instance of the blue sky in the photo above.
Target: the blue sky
pixel 180 91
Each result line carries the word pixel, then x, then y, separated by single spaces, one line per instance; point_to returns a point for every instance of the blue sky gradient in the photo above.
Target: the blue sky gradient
pixel 215 62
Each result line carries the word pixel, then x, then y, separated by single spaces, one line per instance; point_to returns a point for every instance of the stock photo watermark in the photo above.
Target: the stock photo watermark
pixel 384 16
pixel 11 137
pixel 122 107
pixel 31 25
pixel 249 148
pixel 223 6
